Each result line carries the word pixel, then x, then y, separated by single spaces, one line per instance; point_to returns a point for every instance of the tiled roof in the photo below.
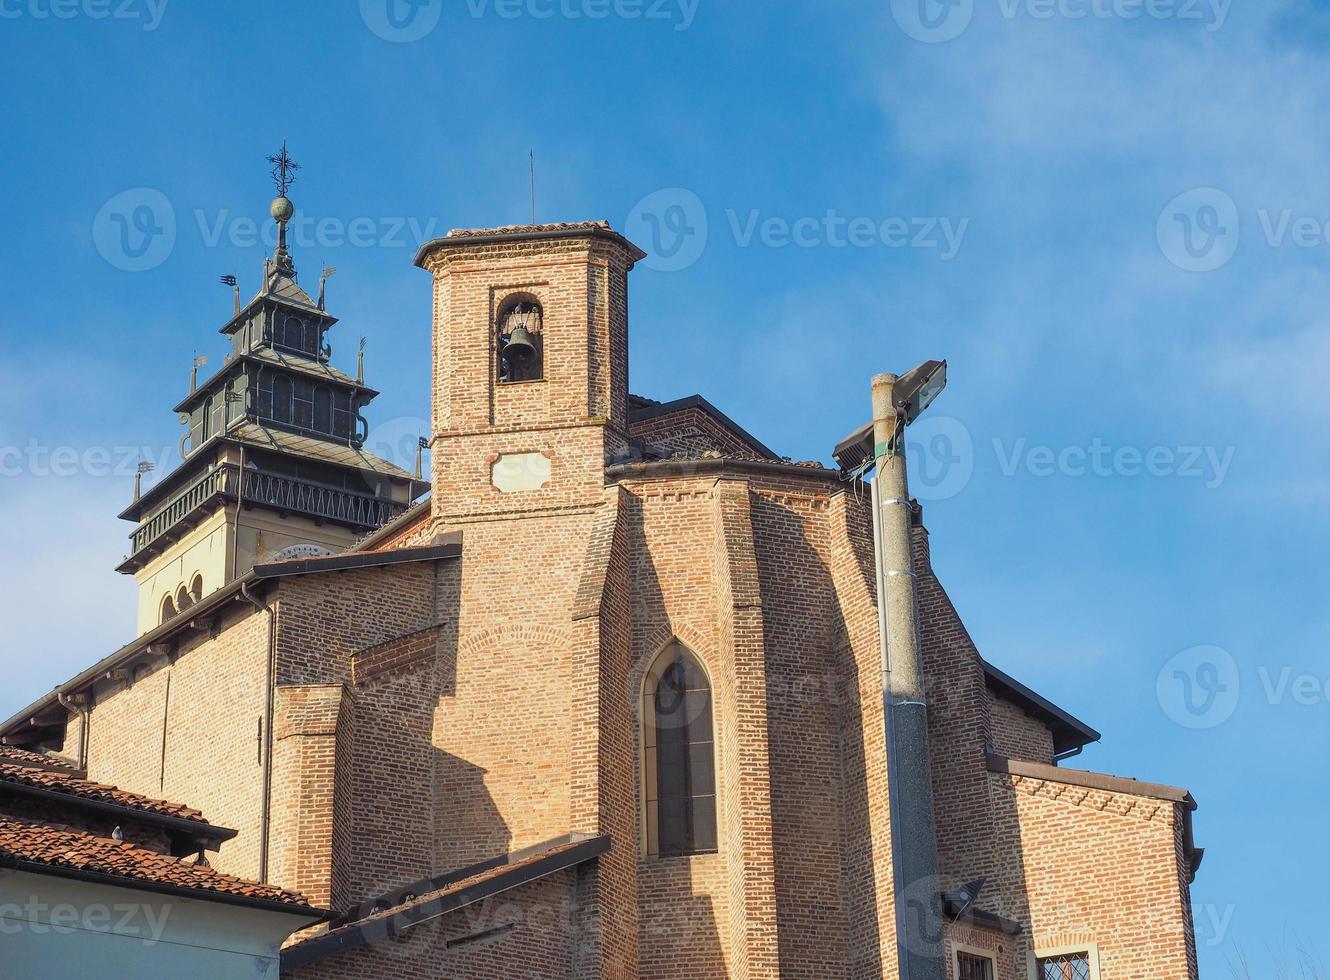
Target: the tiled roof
pixel 57 846
pixel 322 450
pixel 529 229
pixel 22 757
pixel 69 785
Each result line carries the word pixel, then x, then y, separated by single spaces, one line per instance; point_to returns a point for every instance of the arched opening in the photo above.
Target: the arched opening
pixel 679 756
pixel 183 600
pixel 521 341
pixel 168 608
pixel 196 587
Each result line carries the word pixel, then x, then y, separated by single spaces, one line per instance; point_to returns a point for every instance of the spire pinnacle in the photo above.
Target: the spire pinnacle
pixel 283 176
pixel 283 170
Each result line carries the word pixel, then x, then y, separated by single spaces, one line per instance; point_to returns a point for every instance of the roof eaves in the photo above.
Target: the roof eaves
pixel 450 548
pixel 416 510
pixel 1069 732
pixel 650 469
pixel 523 233
pixel 357 934
pixel 1090 780
pixel 697 401
pixel 316 915
pixel 1113 784
pixel 194 829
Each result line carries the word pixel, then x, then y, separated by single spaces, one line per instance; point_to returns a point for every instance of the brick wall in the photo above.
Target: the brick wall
pixel 208 695
pixel 528 932
pixel 1082 866
pixel 1016 735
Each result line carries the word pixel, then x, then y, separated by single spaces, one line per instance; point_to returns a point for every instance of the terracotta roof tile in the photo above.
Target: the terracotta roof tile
pixel 58 846
pixel 22 757
pixel 70 785
pixel 527 229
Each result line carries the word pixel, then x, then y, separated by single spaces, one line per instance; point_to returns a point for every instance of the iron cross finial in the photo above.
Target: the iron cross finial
pixel 283 170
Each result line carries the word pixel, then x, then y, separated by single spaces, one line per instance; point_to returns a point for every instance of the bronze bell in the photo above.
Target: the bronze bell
pixel 521 346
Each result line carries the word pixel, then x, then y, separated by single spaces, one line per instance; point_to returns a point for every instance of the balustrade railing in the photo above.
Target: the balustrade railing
pixel 360 510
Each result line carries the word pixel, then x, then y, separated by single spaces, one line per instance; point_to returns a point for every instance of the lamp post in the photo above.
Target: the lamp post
pixel 898 401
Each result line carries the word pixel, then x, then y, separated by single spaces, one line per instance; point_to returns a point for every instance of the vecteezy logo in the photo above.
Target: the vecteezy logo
pixel 1199 687
pixel 940 453
pixel 135 230
pixel 933 21
pixel 671 225
pixel 1198 231
pixel 401 21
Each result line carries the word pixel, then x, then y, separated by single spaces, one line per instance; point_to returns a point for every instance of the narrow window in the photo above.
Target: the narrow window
pixel 972 967
pixel 293 334
pixel 168 608
pixel 679 759
pixel 196 588
pixel 323 409
pixel 282 402
pixel 1065 966
pixel 341 416
pixel 304 404
pixel 521 342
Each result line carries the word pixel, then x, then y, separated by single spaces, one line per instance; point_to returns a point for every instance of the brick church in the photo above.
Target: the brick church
pixel 600 695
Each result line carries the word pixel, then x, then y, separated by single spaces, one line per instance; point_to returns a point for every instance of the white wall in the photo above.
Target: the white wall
pixel 55 928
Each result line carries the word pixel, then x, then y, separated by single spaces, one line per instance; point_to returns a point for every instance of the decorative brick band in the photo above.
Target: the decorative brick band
pixel 397 655
pixel 1120 805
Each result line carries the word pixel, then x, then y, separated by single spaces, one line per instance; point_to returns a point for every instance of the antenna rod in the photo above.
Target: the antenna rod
pixel 533 187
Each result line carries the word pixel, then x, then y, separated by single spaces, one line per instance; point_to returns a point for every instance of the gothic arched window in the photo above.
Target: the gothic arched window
pixel 679 756
pixel 521 343
pixel 168 608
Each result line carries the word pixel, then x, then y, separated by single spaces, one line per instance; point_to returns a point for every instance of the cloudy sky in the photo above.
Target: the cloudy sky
pixel 1109 215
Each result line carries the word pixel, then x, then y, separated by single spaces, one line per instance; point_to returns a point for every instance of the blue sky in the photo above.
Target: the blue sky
pixel 1110 216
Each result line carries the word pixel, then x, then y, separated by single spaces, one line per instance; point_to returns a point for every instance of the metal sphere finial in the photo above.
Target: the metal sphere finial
pixel 282 209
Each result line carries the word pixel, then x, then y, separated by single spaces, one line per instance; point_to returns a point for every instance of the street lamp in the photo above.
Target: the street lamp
pixel 898 401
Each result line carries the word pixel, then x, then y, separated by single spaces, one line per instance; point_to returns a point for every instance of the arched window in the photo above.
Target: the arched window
pixel 293 333
pixel 168 608
pixel 196 588
pixel 679 757
pixel 183 600
pixel 521 342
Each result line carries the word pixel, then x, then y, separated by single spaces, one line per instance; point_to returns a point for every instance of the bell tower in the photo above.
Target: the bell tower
pixel 272 459
pixel 530 366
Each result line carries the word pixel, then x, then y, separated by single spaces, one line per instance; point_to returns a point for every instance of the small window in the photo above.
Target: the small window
pixel 341 415
pixel 323 409
pixel 196 588
pixel 304 404
pixel 294 335
pixel 168 608
pixel 183 600
pixel 678 765
pixel 1064 966
pixel 970 966
pixel 282 399
pixel 521 342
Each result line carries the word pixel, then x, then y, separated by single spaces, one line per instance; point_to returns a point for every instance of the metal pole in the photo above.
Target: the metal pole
pixel 910 777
